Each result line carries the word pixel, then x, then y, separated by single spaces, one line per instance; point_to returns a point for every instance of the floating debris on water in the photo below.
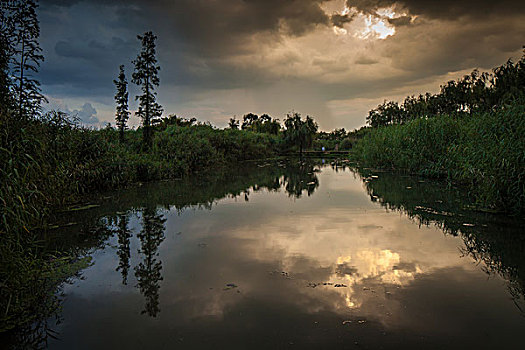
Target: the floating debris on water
pixel 230 286
pixel 85 207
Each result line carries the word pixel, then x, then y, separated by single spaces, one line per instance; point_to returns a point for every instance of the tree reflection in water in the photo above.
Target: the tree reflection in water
pixel 123 251
pixel 148 271
pixel 299 177
pixel 493 241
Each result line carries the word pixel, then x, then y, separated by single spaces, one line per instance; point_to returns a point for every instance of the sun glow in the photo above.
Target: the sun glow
pixel 387 12
pixel 368 26
pixel 375 28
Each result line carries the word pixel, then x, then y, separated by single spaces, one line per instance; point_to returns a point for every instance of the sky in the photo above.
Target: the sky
pixel 333 60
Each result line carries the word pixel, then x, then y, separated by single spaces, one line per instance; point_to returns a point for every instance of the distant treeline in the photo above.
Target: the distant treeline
pixel 471 95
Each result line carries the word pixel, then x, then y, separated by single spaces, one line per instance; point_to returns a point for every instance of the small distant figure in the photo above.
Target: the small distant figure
pixel 323 148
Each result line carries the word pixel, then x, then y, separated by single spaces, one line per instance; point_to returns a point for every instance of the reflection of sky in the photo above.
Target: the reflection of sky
pixel 300 268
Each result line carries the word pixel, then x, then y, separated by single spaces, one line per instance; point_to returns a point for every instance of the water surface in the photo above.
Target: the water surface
pixel 292 254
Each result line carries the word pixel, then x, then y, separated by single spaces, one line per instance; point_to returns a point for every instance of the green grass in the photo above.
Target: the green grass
pixel 484 152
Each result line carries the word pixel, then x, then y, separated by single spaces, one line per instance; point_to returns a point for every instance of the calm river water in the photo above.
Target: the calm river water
pixel 292 254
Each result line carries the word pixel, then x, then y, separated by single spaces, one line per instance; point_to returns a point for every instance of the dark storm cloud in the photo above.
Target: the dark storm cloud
pixel 204 18
pixel 453 47
pixel 340 20
pixel 93 50
pixel 400 21
pixel 196 37
pixel 218 28
pixel 446 9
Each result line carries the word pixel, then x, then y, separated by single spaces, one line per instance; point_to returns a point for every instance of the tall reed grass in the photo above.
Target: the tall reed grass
pixel 485 152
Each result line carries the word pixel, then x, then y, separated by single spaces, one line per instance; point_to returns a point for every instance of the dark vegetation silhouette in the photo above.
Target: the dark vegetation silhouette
pixel 121 99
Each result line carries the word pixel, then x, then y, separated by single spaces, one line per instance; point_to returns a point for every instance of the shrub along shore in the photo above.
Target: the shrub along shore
pixel 472 133
pixel 484 153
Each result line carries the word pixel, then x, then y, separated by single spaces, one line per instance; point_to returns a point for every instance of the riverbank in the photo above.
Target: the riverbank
pixel 485 153
pixel 50 162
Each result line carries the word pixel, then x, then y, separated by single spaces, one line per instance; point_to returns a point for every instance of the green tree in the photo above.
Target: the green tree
pixel 249 121
pixel 26 57
pixel 233 123
pixel 268 125
pixel 299 132
pixel 146 75
pixel 121 98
